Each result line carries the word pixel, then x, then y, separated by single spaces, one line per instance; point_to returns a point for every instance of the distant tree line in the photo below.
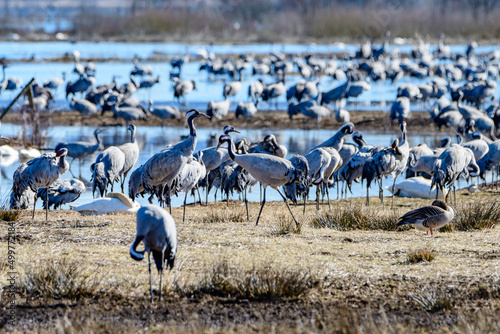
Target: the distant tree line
pixel 272 20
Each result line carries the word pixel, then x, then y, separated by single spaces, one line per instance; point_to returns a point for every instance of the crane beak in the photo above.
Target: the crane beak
pixel 218 145
pixel 202 114
pixel 4 138
pixel 236 131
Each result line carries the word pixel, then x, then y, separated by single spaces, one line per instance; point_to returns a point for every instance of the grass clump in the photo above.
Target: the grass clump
pixel 265 282
pixel 285 225
pixel 420 255
pixel 477 216
pixel 62 279
pixel 353 218
pixel 9 215
pixel 224 217
pixel 433 300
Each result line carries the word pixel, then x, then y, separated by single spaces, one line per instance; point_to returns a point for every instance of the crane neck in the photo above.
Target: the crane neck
pixel 97 138
pixel 132 136
pixel 62 163
pixel 231 149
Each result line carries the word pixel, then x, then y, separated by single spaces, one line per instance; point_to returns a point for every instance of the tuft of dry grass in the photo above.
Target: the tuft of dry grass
pixel 223 217
pixel 477 215
pixel 353 218
pixel 9 215
pixel 266 282
pixel 59 279
pixel 284 226
pixel 420 255
pixel 434 300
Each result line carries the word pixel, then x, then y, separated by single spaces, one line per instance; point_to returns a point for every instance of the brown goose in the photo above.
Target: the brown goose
pixel 429 217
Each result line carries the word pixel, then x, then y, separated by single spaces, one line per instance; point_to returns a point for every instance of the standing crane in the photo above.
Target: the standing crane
pixel 38 173
pixel 107 169
pixel 131 152
pixel 269 170
pixel 337 140
pixel 81 149
pixel 189 177
pixel 156 229
pixel 163 167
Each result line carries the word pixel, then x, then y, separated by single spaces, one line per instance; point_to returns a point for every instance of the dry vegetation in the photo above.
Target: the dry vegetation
pixel 348 270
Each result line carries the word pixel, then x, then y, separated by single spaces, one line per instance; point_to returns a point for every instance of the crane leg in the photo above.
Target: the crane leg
pixel 47 205
pixel 381 193
pixel 328 197
pixel 367 196
pixel 317 198
pixel 246 204
pixel 208 189
pixel 288 206
pixel 34 206
pixel 150 285
pixel 393 187
pixel 199 196
pixel 184 210
pixel 169 200
pixel 161 270
pixel 79 168
pixel 261 207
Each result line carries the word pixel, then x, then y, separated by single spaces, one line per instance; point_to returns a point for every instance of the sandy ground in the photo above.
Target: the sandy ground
pixel 357 281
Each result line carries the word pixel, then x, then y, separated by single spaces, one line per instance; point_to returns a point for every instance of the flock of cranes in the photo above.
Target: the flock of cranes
pixel 240 165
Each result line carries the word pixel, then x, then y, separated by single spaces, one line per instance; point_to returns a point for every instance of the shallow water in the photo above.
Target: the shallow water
pixel 154 139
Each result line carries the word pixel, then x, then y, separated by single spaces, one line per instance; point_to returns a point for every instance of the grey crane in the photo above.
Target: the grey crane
pixel 403 153
pixel 400 109
pixel 81 149
pixel 141 70
pixel 83 106
pixel 38 173
pixel 490 160
pixel 62 191
pixel 478 146
pixel 342 116
pixel 255 90
pixel 156 229
pixel 273 91
pixel 213 158
pixel 189 177
pixel 163 167
pixel 336 94
pixel 450 164
pixel 381 164
pixel 337 140
pixel 218 109
pixel 79 86
pixel 55 82
pixel 131 152
pixel 232 88
pixel 246 109
pixel 182 88
pixel 149 82
pixel 429 218
pixel 129 88
pixel 316 112
pixel 269 170
pixel 107 169
pixel 4 82
pixel 24 197
pixel 129 114
pixel 165 112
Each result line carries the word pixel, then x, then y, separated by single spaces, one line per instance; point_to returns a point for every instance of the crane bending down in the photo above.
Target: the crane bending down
pixel 156 229
pixel 163 167
pixel 38 173
pixel 269 170
pixel 61 192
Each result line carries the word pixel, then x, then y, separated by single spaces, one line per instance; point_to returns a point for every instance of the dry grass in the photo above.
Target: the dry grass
pixel 477 215
pixel 354 218
pixel 420 255
pixel 9 215
pixel 232 276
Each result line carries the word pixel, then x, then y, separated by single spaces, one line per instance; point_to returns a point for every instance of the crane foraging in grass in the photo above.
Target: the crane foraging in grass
pixel 269 170
pixel 156 229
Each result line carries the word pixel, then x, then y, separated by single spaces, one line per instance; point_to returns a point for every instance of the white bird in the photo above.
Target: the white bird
pixel 156 229
pixel 112 203
pixel 38 173
pixel 269 170
pixel 163 167
pixel 416 187
pixel 429 218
